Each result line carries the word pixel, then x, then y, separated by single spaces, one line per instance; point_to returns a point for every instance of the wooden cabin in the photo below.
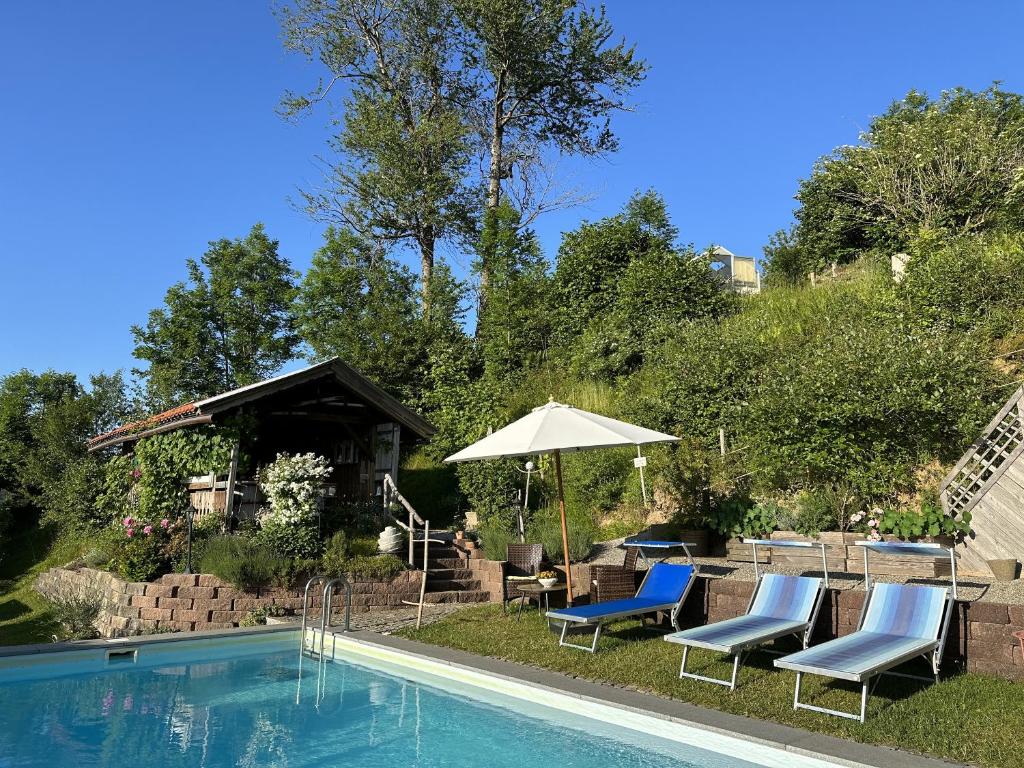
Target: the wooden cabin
pixel 988 482
pixel 329 409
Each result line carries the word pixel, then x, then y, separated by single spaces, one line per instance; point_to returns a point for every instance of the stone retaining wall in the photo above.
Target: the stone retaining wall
pixel 185 602
pixel 980 637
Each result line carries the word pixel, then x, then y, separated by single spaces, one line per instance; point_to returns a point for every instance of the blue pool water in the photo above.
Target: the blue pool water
pixel 196 710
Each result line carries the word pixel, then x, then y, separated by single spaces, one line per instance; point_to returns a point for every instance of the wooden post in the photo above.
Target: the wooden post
pixel 229 491
pixel 565 531
pixel 721 440
pixel 640 463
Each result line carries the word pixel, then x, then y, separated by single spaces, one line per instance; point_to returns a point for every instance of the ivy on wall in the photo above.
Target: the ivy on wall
pixel 152 482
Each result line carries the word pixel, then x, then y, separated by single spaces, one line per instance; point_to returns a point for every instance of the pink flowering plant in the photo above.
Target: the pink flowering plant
pixel 868 522
pixel 146 549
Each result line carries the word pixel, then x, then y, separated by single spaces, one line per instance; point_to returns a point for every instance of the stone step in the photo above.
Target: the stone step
pixel 457 596
pixel 437 563
pixel 445 585
pixel 451 573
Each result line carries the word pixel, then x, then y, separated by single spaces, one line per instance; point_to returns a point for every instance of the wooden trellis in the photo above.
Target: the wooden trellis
pixel 988 482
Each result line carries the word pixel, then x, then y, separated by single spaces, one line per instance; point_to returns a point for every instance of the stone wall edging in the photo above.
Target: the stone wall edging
pixel 187 602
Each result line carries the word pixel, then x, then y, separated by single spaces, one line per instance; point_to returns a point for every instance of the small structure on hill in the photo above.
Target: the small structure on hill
pixel 738 273
pixel 988 482
pixel 329 409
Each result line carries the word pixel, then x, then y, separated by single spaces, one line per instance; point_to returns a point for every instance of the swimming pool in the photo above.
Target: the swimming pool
pixel 241 701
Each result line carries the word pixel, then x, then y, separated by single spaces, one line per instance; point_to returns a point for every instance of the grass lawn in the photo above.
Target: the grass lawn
pixel 24 615
pixel 967 718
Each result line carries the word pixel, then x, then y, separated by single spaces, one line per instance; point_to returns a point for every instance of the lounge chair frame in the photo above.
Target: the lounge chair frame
pixel 673 609
pixel 740 653
pixel 931 651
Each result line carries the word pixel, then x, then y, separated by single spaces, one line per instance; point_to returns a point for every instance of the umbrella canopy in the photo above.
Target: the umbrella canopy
pixel 554 428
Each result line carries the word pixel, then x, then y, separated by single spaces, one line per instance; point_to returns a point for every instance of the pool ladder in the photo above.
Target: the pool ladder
pixel 310 649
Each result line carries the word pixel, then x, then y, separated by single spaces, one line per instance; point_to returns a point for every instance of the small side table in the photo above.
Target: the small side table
pixel 535 590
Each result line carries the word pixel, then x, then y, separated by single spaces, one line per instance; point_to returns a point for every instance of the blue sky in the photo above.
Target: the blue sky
pixel 133 133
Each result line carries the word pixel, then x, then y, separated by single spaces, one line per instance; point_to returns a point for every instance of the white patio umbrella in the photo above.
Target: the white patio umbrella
pixel 556 428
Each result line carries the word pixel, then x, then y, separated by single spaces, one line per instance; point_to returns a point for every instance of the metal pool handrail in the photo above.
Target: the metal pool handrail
pixel 325 615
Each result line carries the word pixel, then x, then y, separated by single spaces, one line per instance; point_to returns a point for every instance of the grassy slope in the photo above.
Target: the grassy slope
pixel 24 615
pixel 968 718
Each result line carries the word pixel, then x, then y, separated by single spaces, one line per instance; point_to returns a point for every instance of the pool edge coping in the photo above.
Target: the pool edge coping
pixel 851 754
pixel 9 651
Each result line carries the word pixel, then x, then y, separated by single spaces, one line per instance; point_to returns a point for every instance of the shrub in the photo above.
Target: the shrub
pixel 146 550
pixel 546 529
pixel 428 484
pixel 375 567
pixel 627 520
pixel 352 516
pixel 495 535
pixel 240 561
pixel 289 539
pixel 76 615
pixel 358 556
pixel 292 486
pixel 910 524
pixel 103 547
pixel 336 553
pixel 295 571
pixel 814 513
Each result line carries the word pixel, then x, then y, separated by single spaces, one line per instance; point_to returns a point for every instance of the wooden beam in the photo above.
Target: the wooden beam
pixel 229 492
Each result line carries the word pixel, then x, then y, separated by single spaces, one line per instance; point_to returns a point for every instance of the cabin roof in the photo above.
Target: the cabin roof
pixel 203 411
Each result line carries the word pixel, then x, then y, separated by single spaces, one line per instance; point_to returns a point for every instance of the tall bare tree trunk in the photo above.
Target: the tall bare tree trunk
pixel 427 243
pixel 494 176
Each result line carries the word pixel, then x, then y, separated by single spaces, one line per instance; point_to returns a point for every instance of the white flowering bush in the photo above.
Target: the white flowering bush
pixel 292 486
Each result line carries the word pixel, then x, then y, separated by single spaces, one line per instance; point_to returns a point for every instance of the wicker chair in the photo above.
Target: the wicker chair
pixel 615 582
pixel 521 560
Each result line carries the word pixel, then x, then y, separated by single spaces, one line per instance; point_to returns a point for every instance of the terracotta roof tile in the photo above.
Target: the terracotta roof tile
pixel 156 420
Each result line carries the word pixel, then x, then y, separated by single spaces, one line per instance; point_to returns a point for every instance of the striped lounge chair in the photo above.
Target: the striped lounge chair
pixel 664 588
pixel 780 606
pixel 899 623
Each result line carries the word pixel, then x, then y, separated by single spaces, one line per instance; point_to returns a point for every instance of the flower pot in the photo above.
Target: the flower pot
pixel 1003 570
pixel 547 582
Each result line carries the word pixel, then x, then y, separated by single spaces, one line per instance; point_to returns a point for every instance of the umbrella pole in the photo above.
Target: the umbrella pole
pixel 565 531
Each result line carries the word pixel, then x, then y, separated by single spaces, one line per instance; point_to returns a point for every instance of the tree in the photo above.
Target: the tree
pixel 786 262
pixel 515 321
pixel 231 324
pixel 45 421
pixel 428 81
pixel 403 149
pixel 544 74
pixel 358 304
pixel 952 165
pixel 593 258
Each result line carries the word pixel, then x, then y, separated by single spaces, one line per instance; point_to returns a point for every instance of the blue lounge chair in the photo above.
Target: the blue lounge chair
pixel 664 588
pixel 779 606
pixel 899 622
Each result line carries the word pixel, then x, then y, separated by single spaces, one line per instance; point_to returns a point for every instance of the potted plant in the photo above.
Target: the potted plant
pixel 547 578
